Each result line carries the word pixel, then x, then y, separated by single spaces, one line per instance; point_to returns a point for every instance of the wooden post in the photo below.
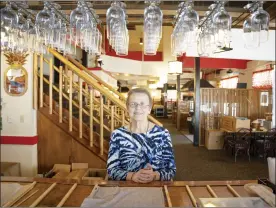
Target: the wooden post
pixel 178 102
pixel 168 196
pixel 80 108
pixel 101 124
pixel 68 194
pixel 51 86
pixel 112 118
pixel 233 191
pixel 211 191
pixel 191 196
pixel 123 118
pixel 35 86
pixel 65 79
pixel 41 82
pixel 197 101
pixel 273 97
pixel 60 93
pixel 16 198
pixel 16 205
pixel 91 101
pixel 42 196
pixel 70 102
pixel 86 90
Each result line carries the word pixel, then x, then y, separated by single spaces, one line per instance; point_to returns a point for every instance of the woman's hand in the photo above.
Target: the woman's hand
pixel 143 176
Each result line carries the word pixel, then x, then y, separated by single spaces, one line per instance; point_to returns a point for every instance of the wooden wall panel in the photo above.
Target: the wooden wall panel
pixel 56 146
pixel 82 155
pixel 216 103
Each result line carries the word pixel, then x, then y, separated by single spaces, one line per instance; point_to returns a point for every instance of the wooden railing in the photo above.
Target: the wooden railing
pixel 121 97
pixel 96 106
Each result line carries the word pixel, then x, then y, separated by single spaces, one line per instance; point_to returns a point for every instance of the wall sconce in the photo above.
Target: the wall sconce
pixel 141 41
pixel 175 67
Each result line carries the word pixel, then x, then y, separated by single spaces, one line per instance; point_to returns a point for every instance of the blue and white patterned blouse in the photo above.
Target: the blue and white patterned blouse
pixel 131 153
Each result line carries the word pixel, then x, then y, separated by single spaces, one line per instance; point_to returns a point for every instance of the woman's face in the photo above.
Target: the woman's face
pixel 139 106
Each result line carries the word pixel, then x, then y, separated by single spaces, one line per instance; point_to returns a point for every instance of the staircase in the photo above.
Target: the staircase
pixel 81 104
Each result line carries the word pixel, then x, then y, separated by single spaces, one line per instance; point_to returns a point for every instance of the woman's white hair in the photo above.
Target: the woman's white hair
pixel 139 90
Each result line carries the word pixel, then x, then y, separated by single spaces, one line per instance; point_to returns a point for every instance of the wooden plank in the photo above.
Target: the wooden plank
pixel 191 195
pixel 51 86
pixel 91 101
pixel 101 125
pixel 70 103
pixel 41 82
pixel 60 93
pixel 22 193
pixel 233 191
pixel 16 205
pixel 168 198
pixel 35 83
pixel 211 191
pixel 80 108
pixel 41 197
pixel 265 194
pixel 67 195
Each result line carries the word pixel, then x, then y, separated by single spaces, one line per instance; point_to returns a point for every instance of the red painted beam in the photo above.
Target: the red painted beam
pixel 215 63
pixel 21 140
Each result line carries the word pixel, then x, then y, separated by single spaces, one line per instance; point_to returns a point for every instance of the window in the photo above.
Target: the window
pixel 229 82
pixel 262 79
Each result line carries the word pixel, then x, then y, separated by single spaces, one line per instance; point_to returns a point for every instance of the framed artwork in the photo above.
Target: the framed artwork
pixel 15 76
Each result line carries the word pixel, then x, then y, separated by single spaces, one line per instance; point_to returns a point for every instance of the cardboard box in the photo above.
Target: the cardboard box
pixel 79 166
pixel 233 124
pixel 214 139
pixel 10 169
pixel 95 174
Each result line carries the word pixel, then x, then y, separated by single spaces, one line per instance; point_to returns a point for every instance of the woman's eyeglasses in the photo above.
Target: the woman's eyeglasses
pixel 135 105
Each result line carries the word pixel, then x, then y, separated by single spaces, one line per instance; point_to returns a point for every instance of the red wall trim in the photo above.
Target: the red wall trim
pixel 188 62
pixel 23 140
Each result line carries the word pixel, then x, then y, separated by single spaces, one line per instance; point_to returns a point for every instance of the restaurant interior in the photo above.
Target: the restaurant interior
pixel 67 67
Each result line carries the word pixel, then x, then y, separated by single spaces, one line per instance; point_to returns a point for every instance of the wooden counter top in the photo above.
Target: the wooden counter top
pixel 178 191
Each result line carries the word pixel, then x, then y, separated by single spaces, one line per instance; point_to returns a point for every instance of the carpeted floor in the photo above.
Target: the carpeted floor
pixel 198 163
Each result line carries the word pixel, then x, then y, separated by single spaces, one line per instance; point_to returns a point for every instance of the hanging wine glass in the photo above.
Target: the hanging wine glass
pixel 260 22
pixel 222 21
pixel 250 35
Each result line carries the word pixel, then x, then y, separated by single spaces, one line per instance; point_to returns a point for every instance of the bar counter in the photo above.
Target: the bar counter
pixel 176 193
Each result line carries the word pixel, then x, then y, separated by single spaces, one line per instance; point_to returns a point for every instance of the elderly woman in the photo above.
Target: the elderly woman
pixel 141 151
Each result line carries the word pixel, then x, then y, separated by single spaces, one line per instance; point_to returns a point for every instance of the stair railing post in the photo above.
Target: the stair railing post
pixel 51 86
pixel 80 108
pixel 66 79
pixel 101 124
pixel 112 118
pixel 41 82
pixel 35 86
pixel 91 96
pixel 70 102
pixel 123 117
pixel 60 93
pixel 87 91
